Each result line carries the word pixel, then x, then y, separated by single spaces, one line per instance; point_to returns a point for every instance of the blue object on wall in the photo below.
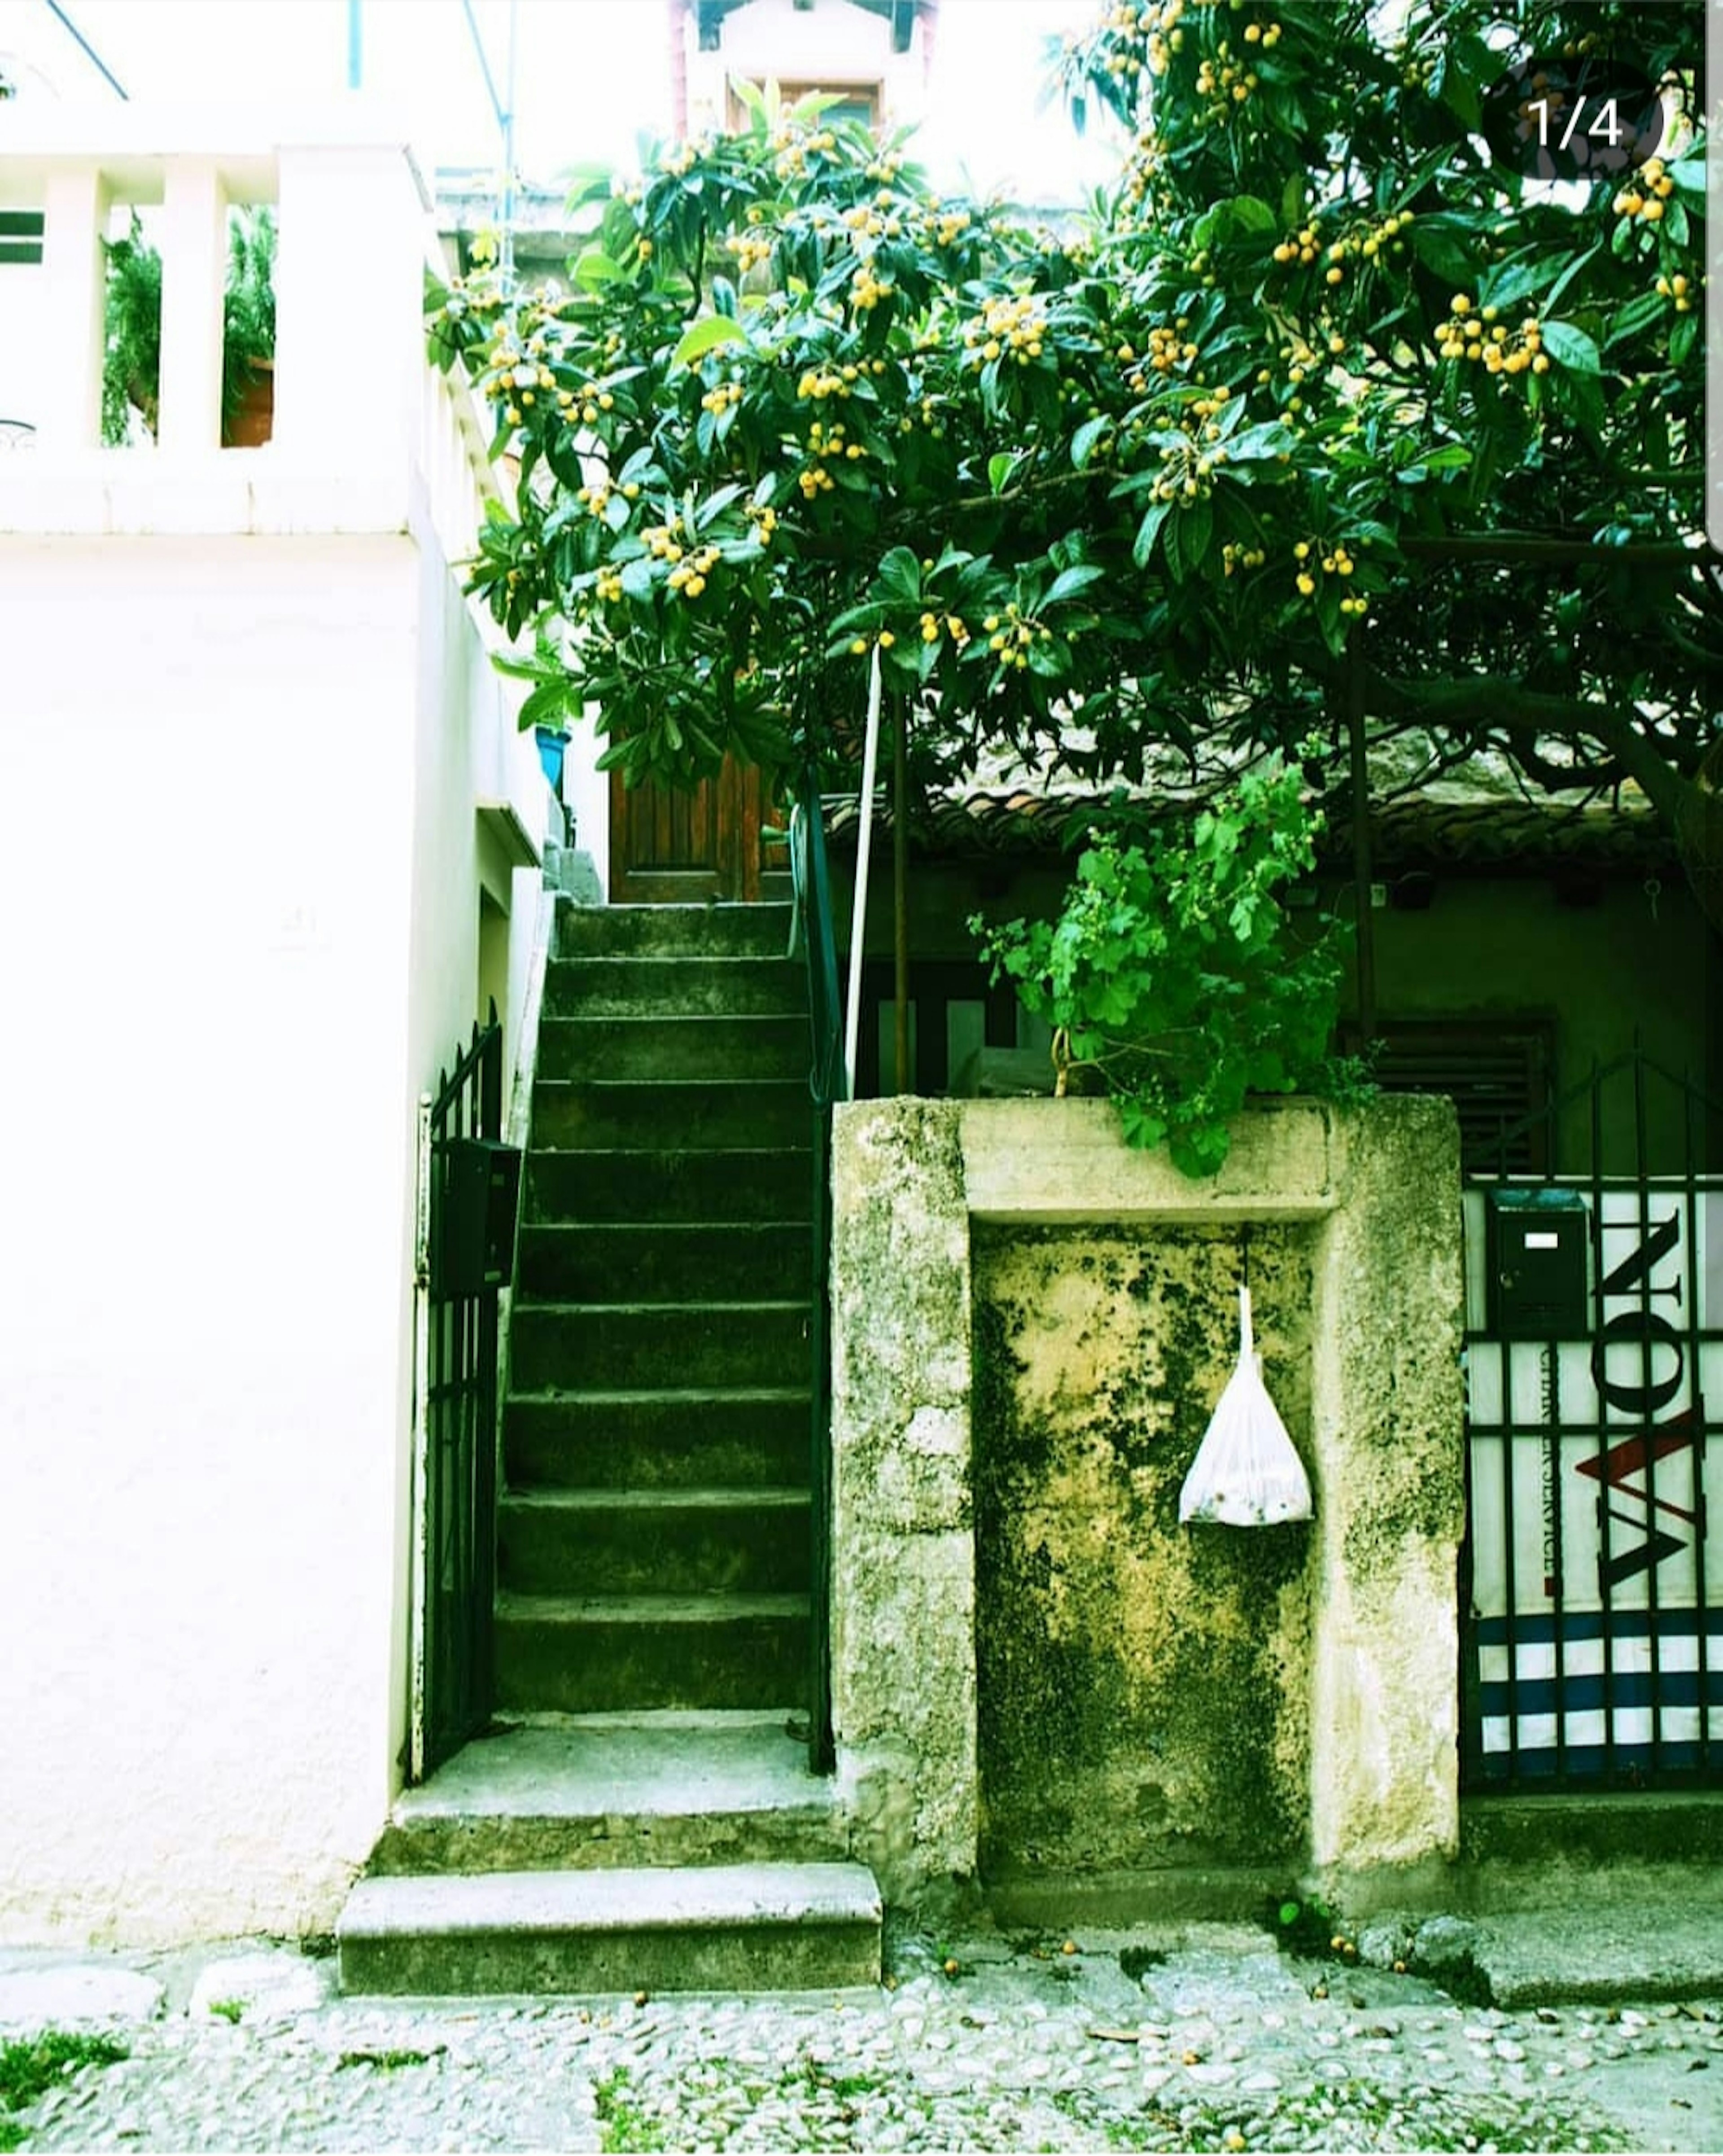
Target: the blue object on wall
pixel 552 741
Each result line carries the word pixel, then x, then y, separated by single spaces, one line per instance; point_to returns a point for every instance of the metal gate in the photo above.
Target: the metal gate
pixel 468 1184
pixel 1591 1590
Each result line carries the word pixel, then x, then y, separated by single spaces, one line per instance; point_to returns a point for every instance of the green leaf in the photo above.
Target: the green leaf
pixel 1640 312
pixel 595 268
pixel 1569 346
pixel 1153 518
pixel 704 336
pixel 1087 436
pixel 1000 467
pixel 1069 581
pixel 1251 213
pixel 1292 201
pixel 900 576
pixel 1435 242
pixel 1191 528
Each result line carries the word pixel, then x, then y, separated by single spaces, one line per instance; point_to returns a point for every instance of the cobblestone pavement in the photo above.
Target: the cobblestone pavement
pixel 1218 2043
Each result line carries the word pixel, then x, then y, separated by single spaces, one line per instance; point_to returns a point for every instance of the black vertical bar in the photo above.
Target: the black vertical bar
pixel 1365 946
pixel 1605 1605
pixel 1695 1287
pixel 906 1078
pixel 1511 1619
pixel 821 1749
pixel 1558 1583
pixel 1471 1673
pixel 999 1023
pixel 484 1584
pixel 1653 1643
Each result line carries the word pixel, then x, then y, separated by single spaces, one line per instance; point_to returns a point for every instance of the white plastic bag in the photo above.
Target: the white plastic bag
pixel 1247 1472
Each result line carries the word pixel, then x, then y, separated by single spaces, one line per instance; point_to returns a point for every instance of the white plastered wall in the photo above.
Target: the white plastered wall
pixel 254 769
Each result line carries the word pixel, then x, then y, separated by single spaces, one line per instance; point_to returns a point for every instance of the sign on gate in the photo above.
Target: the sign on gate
pixel 1596 1619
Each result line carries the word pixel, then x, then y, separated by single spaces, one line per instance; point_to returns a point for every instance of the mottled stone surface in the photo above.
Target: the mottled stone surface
pixel 1143 1686
pixel 1389 1410
pixel 903 1626
pixel 1034 1665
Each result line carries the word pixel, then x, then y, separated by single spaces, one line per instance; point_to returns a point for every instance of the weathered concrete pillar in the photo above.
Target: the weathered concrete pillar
pixel 903 1552
pixel 1387 1396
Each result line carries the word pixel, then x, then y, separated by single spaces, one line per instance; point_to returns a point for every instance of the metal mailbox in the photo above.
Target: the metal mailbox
pixel 479 1191
pixel 1539 1239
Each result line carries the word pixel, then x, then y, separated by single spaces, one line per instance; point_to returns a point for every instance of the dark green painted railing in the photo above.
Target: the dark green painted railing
pixel 826 1084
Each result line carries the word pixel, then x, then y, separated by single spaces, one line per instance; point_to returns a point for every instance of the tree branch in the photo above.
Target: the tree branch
pixel 1494 704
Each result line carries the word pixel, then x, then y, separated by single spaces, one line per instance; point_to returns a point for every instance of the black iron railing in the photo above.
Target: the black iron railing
pixel 1592 1618
pixel 827 1082
pixel 465 1272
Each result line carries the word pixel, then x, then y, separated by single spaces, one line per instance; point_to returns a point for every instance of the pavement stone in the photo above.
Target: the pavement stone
pixel 1201 2038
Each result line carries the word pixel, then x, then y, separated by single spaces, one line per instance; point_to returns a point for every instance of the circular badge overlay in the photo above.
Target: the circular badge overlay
pixel 1585 118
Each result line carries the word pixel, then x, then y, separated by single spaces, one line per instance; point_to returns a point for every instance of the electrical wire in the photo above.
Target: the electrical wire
pixel 496 103
pixel 89 50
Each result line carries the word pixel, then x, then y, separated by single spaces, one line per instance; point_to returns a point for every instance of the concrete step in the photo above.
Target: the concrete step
pixel 664 1261
pixel 612 1346
pixel 644 1115
pixel 672 930
pixel 596 1654
pixel 760 1182
pixel 674 1047
pixel 632 987
pixel 722 1927
pixel 672 1438
pixel 595 1792
pixel 637 1541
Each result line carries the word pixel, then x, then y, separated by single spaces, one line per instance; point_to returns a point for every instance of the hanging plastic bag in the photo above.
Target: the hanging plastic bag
pixel 1247 1472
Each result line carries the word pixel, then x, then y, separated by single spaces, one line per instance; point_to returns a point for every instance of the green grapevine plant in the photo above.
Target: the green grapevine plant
pixel 1176 969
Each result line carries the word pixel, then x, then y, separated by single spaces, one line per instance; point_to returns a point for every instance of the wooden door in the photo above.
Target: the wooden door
pixel 668 847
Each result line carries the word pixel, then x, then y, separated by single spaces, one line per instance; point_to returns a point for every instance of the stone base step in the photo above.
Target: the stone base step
pixel 719 930
pixel 768 1183
pixel 665 1261
pixel 649 1650
pixel 645 1541
pixel 555 1347
pixel 600 1792
pixel 723 1927
pixel 663 1049
pixel 672 1438
pixel 637 1114
pixel 720 986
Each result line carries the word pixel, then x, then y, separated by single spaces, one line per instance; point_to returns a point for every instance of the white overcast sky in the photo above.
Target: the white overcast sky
pixel 591 75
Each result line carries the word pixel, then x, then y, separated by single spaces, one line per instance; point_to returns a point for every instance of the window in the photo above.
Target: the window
pixel 1496 1072
pixel 856 101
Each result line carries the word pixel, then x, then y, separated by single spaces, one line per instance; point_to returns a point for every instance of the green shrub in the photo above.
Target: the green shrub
pixel 1176 970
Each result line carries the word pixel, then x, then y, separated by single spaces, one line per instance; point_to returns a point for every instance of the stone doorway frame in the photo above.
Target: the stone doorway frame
pixel 1379 1187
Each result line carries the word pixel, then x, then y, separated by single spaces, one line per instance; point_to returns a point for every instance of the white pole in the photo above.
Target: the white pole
pixel 858 915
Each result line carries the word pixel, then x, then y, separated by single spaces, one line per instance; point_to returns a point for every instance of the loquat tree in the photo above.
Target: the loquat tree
pixel 1375 387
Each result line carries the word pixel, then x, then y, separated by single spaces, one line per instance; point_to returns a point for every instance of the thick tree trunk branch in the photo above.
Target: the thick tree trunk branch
pixel 1505 706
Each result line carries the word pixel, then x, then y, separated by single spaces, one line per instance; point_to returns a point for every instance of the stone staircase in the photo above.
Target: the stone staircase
pixel 642 1814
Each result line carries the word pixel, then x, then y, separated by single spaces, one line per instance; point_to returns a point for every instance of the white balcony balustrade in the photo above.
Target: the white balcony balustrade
pixel 366 436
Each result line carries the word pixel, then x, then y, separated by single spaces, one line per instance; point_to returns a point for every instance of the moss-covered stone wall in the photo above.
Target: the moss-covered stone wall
pixel 1142 1688
pixel 1036 1672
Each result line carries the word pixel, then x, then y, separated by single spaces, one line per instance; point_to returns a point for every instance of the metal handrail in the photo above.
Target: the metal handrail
pixel 828 1077
pixel 828 1081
